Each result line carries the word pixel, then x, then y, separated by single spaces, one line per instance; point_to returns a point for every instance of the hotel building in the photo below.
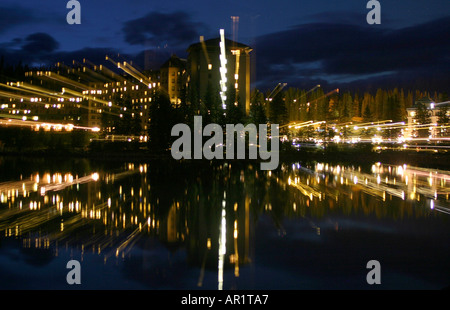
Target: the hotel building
pixel 434 109
pixel 204 67
pixel 80 95
pixel 173 78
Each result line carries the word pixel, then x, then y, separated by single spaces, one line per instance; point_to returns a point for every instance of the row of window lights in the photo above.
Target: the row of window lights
pixel 18 111
pixel 413 113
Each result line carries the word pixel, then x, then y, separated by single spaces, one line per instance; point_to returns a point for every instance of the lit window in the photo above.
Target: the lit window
pixel 209 66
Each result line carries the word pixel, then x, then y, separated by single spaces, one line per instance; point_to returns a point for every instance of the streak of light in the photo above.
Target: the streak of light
pixel 65 80
pixel 47 125
pixel 326 95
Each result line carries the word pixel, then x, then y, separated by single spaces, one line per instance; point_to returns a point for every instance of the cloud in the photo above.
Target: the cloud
pixel 41 49
pixel 321 50
pixel 40 42
pixel 50 58
pixel 334 53
pixel 11 16
pixel 161 29
pixel 344 17
pixel 35 48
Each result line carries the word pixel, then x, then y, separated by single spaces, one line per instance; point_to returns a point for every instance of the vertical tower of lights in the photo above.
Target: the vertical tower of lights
pixel 223 69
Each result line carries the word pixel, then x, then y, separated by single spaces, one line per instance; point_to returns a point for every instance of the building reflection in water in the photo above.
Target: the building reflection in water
pixel 211 209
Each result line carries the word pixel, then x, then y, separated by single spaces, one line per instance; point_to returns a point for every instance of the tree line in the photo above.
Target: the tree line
pixel 291 105
pixel 287 106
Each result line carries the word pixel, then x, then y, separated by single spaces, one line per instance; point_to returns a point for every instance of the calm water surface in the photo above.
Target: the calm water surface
pixel 222 225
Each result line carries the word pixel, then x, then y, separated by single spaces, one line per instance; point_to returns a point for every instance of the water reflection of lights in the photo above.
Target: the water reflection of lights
pixel 33 194
pixel 222 244
pixel 112 215
pixel 401 181
pixel 101 213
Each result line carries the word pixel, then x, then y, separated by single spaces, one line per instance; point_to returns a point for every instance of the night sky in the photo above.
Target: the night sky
pixel 298 42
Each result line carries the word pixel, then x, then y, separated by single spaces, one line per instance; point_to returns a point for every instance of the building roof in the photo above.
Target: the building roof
pixel 424 100
pixel 215 43
pixel 427 101
pixel 174 61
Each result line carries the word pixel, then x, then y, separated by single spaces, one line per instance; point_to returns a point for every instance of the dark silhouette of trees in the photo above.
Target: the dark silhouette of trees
pixel 234 112
pixel 213 110
pixel 257 113
pixel 278 113
pixel 162 117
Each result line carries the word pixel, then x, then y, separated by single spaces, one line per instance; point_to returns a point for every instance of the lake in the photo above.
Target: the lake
pixel 222 225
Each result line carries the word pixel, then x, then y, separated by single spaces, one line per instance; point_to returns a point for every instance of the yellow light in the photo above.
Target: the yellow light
pixel 95 176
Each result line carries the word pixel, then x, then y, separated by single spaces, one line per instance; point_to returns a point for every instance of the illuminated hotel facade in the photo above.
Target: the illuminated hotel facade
pixel 61 100
pixel 173 78
pixel 103 96
pixel 434 109
pixel 82 95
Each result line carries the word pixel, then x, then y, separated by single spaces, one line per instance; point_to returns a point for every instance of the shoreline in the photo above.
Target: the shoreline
pixel 344 155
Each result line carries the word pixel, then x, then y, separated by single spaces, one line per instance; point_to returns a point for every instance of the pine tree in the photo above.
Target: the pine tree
pixel 368 115
pixel 234 112
pixel 443 120
pixel 277 110
pixel 423 118
pixel 302 106
pixel 162 117
pixel 379 104
pixel 367 104
pixel 402 105
pixel 356 105
pixel 346 110
pixel 257 109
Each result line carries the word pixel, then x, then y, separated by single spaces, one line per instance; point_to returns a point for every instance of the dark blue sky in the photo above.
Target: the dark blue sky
pixel 301 42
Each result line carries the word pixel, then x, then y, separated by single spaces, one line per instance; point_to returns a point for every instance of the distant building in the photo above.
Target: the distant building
pixel 173 78
pixel 203 68
pixel 434 109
